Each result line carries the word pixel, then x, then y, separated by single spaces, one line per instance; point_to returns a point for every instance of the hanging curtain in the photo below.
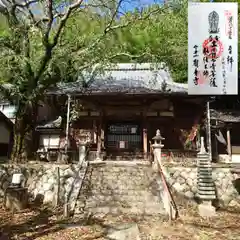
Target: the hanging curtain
pixel 220 137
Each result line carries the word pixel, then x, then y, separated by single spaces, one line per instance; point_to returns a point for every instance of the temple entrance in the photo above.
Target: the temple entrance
pixel 123 139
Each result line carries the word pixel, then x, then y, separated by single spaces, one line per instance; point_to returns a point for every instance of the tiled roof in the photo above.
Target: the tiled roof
pixel 125 78
pixel 50 124
pixel 225 115
pixel 5 119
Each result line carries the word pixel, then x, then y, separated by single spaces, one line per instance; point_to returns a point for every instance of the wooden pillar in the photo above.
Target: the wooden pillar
pixel 229 147
pixel 99 138
pixel 94 132
pixel 216 142
pixel 145 138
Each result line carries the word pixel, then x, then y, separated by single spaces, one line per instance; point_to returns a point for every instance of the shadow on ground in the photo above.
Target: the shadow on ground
pixel 43 222
pixel 37 225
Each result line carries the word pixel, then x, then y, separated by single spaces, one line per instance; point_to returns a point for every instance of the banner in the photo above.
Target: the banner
pixel 212 48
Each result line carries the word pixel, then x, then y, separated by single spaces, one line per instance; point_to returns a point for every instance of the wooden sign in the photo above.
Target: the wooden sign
pixel 121 144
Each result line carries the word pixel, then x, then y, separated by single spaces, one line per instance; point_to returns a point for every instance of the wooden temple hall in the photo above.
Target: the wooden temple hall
pixel 118 114
pixel 225 134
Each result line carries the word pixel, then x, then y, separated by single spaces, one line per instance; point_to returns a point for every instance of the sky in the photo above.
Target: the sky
pixel 132 4
pixel 128 5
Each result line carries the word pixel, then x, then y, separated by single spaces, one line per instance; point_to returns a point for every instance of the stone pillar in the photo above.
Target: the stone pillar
pixel 157 149
pixel 205 185
pixel 229 147
pixel 82 152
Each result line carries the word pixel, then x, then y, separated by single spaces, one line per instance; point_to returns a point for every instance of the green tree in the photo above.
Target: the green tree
pixel 45 42
pixel 160 38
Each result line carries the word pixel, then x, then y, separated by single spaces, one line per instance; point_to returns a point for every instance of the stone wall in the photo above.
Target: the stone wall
pixel 46 181
pixel 130 188
pixel 184 180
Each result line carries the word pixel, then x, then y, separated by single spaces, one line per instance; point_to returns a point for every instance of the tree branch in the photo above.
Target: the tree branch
pixel 114 14
pixel 50 46
pixel 50 21
pixel 110 28
pixel 25 4
pixel 64 20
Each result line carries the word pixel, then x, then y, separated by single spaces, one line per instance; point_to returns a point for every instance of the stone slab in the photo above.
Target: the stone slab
pixel 206 210
pixel 125 231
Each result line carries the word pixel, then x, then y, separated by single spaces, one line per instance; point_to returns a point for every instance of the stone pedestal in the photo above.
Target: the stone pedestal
pixel 82 152
pixel 16 198
pixel 98 156
pixel 157 150
pixel 206 209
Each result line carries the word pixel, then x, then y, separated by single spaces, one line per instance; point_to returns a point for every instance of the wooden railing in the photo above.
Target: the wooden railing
pixel 171 206
pixel 167 196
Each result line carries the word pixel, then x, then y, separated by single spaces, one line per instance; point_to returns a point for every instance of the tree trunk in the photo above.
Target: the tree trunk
pixel 19 150
pixel 24 130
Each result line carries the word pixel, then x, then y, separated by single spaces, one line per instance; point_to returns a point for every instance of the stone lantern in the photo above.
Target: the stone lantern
pixel 157 149
pixel 84 140
pixel 205 184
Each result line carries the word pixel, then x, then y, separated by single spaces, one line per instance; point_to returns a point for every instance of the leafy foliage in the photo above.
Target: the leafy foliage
pixel 160 38
pixel 56 43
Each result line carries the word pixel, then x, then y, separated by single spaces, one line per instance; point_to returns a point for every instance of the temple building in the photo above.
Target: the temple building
pixel 119 111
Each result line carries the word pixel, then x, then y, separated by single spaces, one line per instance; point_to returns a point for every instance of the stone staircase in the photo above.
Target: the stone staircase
pixel 113 187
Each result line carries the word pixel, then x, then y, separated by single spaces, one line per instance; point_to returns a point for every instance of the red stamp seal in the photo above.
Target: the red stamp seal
pixel 212 48
pixel 201 78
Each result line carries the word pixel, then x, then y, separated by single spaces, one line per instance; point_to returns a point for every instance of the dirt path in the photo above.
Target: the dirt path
pixel 43 224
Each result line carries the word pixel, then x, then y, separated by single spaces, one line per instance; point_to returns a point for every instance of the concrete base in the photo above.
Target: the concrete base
pixel 206 209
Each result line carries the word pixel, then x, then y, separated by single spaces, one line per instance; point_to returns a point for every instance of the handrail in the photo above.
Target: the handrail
pixel 80 166
pixel 173 212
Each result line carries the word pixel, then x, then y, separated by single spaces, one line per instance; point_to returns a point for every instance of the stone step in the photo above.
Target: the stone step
pixel 130 189
pixel 125 204
pixel 132 210
pixel 124 192
pixel 200 192
pixel 203 165
pixel 204 173
pixel 204 177
pixel 121 190
pixel 125 198
pixel 199 159
pixel 206 189
pixel 206 197
pixel 204 169
pixel 205 184
pixel 202 183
